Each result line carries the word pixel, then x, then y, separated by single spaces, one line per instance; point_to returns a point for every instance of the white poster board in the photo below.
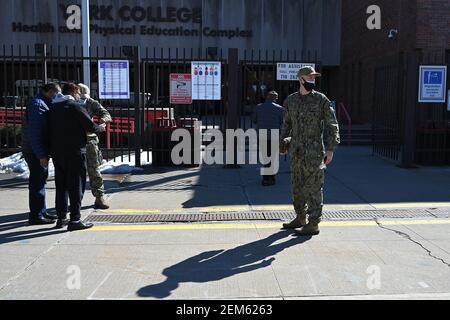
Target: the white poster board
pixel 432 84
pixel 114 79
pixel 206 80
pixel 287 71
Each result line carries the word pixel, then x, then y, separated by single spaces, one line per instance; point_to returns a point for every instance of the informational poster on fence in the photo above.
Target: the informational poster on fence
pixel 432 84
pixel 114 79
pixel 206 80
pixel 287 71
pixel 180 88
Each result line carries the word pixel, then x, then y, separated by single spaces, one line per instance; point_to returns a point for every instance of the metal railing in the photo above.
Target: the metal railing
pixel 342 110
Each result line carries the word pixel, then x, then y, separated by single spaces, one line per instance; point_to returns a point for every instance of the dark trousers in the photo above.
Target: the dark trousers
pixel 36 186
pixel 70 179
pixel 269 154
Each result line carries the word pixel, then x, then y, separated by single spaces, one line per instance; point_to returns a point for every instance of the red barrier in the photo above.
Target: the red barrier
pixel 10 118
pixel 118 126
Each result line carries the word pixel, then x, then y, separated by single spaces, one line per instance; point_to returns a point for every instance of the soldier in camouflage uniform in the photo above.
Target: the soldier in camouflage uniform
pixel 306 114
pixel 93 153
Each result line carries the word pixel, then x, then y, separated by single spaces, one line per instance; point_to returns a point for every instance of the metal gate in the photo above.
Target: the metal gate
pixel 404 130
pixel 139 123
pixel 388 108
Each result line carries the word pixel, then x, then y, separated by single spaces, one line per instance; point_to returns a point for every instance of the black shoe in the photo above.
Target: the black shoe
pixel 76 226
pixel 50 216
pixel 61 223
pixel 40 221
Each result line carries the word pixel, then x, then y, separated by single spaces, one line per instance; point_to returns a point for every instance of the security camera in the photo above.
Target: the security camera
pixel 392 33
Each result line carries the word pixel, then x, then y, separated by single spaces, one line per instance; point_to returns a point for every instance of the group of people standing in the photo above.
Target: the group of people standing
pixel 59 125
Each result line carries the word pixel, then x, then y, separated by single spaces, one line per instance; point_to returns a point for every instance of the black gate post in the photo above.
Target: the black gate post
pixel 233 88
pixel 41 50
pixel 137 105
pixel 233 98
pixel 410 104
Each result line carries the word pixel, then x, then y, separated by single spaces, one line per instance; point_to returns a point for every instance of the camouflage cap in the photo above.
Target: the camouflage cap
pixel 308 71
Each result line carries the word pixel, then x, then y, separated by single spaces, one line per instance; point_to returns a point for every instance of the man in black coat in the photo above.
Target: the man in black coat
pixel 69 123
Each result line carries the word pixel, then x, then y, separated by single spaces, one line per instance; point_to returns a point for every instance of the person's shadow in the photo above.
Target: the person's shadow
pixel 220 264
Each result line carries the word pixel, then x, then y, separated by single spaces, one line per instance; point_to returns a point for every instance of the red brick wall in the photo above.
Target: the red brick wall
pixel 433 21
pixel 361 48
pixel 423 25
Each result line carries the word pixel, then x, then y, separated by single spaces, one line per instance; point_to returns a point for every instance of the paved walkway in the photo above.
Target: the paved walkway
pixel 387 259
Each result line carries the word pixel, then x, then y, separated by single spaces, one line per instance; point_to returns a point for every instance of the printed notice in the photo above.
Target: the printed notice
pixel 206 80
pixel 114 79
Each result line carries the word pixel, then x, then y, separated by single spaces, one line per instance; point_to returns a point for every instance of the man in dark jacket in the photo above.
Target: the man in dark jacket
pixel 268 116
pixel 69 123
pixel 35 150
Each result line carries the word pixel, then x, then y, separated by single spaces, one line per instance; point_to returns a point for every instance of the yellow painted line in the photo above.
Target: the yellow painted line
pixel 415 222
pixel 380 206
pixel 242 226
pixel 411 205
pixel 194 210
pixel 224 209
pixel 130 211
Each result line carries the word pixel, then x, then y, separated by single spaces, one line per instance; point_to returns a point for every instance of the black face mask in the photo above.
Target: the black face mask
pixel 309 86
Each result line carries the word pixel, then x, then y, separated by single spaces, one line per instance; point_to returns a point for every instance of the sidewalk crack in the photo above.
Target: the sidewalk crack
pixel 24 270
pixel 408 237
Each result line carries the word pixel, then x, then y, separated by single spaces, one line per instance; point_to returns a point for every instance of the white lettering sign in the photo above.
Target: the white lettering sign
pixel 289 71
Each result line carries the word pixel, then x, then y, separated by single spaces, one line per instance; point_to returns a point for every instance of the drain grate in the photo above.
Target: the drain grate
pixel 265 216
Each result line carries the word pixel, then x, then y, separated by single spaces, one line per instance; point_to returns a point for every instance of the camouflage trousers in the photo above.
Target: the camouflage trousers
pixel 308 179
pixel 94 160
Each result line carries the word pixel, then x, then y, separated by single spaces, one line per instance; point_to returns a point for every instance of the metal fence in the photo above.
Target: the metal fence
pixel 403 129
pixel 144 121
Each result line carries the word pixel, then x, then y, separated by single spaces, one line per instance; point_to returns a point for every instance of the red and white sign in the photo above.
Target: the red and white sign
pixel 180 88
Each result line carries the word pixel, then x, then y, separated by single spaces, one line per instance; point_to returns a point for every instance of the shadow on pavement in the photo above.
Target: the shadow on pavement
pixel 13 183
pixel 137 185
pixel 28 234
pixel 20 220
pixel 220 264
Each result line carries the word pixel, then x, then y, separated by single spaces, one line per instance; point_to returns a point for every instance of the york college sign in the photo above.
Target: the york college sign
pixel 142 14
pixel 136 20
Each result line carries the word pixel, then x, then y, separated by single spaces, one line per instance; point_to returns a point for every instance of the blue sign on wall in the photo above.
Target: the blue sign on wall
pixel 432 84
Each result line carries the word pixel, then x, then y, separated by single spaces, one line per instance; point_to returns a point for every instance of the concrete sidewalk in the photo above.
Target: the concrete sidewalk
pixel 356 181
pixel 229 261
pixel 373 259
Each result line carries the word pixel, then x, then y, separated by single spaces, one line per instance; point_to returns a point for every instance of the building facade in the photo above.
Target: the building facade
pixel 299 25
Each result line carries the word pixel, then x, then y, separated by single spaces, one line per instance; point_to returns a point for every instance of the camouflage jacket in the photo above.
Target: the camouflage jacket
pixel 304 120
pixel 94 108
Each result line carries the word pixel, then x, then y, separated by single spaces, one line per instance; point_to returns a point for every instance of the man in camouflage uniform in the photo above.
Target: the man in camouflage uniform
pixel 93 153
pixel 306 114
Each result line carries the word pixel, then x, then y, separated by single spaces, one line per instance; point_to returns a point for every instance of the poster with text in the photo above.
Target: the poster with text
pixel 180 88
pixel 114 79
pixel 206 80
pixel 432 84
pixel 288 71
